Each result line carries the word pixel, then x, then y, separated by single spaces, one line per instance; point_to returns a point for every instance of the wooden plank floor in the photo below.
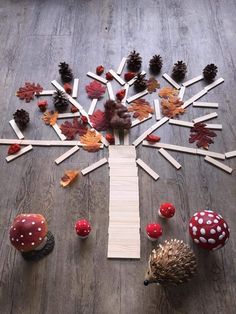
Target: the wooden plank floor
pixel 77 277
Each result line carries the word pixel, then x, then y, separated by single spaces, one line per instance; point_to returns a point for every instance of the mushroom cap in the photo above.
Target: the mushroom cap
pixel 82 228
pixel 209 230
pixel 167 210
pixel 154 231
pixel 28 231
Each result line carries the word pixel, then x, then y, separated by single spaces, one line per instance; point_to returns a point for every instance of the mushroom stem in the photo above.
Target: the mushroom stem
pixel 41 245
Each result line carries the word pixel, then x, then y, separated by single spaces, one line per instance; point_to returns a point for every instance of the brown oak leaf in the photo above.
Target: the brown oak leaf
pixel 28 91
pixel 141 109
pixel 50 117
pixel 171 107
pixel 99 121
pixel 95 90
pixel 167 91
pixel 201 135
pixel 91 141
pixel 69 177
pixel 152 85
pixel 71 129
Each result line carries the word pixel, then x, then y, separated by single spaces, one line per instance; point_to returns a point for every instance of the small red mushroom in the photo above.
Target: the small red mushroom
pixel 167 210
pixel 83 228
pixel 154 231
pixel 209 230
pixel 28 231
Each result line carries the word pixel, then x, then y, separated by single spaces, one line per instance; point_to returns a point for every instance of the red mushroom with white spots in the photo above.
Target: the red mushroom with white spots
pixel 209 230
pixel 167 210
pixel 154 231
pixel 83 228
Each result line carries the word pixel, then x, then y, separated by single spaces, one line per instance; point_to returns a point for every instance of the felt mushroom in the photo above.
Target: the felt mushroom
pixel 29 234
pixel 209 230
pixel 83 228
pixel 154 231
pixel 167 210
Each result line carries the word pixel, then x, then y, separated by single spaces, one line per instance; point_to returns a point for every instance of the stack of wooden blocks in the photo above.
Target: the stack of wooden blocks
pixel 124 220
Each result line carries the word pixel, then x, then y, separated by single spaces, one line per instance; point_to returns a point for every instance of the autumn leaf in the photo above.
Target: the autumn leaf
pixel 167 91
pixel 50 117
pixel 28 91
pixel 71 129
pixel 152 85
pixel 201 135
pixel 91 141
pixel 95 90
pixel 141 109
pixel 172 107
pixel 98 120
pixel 69 177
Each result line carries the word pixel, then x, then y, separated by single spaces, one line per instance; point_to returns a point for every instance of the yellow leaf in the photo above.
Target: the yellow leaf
pixel 50 117
pixel 167 91
pixel 91 140
pixel 69 177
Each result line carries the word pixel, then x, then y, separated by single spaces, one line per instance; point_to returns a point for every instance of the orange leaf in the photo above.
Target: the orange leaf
pixel 91 141
pixel 141 109
pixel 50 117
pixel 167 91
pixel 69 177
pixel 172 107
pixel 152 85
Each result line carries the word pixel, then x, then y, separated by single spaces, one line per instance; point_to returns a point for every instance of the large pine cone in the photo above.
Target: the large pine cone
pixel 21 118
pixel 155 64
pixel 209 72
pixel 65 72
pixel 179 70
pixel 140 83
pixel 134 61
pixel 60 101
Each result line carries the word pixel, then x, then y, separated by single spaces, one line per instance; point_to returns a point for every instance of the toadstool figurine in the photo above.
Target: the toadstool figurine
pixel 83 228
pixel 154 231
pixel 171 263
pixel 167 210
pixel 209 230
pixel 29 234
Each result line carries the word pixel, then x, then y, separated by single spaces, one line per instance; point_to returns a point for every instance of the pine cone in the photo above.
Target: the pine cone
pixel 141 83
pixel 60 101
pixel 134 61
pixel 65 72
pixel 179 70
pixel 21 118
pixel 209 72
pixel 171 264
pixel 155 64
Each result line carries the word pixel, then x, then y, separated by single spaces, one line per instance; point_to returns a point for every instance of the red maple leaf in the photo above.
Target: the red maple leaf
pixel 71 129
pixel 98 120
pixel 95 90
pixel 28 91
pixel 201 135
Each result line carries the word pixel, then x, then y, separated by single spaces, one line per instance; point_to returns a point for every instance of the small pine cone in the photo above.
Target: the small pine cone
pixel 65 72
pixel 60 101
pixel 209 72
pixel 155 64
pixel 141 83
pixel 134 61
pixel 21 118
pixel 179 70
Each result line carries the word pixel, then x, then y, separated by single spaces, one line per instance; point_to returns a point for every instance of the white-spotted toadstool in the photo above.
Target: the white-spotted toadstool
pixel 167 210
pixel 83 228
pixel 29 234
pixel 154 231
pixel 208 230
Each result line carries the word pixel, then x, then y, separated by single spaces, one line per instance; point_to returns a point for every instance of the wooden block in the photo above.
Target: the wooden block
pixel 157 109
pixel 68 115
pixel 97 78
pixel 92 106
pixel 168 157
pixel 121 151
pixel 121 66
pixel 218 164
pixel 210 154
pixel 110 91
pixel 94 166
pixel 181 123
pixel 47 92
pixel 117 77
pixel 75 88
pixel 214 126
pixel 171 81
pixel 145 167
pixel 150 130
pixel 193 80
pixel 194 98
pixel 16 129
pixel 58 131
pixel 206 117
pixel 115 172
pixel 230 154
pixel 137 96
pixel 126 137
pixel 66 155
pixel 214 84
pixel 131 82
pixel 205 104
pixel 181 92
pixel 176 148
pixel 137 121
pixel 117 137
pixel 20 153
pixel 126 87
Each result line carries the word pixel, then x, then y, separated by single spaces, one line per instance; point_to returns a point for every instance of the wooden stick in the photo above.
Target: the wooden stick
pixel 145 167
pixel 110 91
pixel 117 137
pixel 121 66
pixel 94 166
pixel 16 129
pixel 97 78
pixel 66 155
pixel 214 126
pixel 92 106
pixel 181 92
pixel 117 77
pixel 206 117
pixel 205 104
pixel 58 131
pixel 18 154
pixel 194 98
pixel 137 96
pixel 193 80
pixel 68 115
pixel 211 154
pixel 137 121
pixel 181 123
pixel 214 84
pixel 171 147
pixel 131 82
pixel 126 94
pixel 218 164
pixel 75 88
pixel 168 157
pixel 230 154
pixel 171 81
pixel 157 109
pixel 46 92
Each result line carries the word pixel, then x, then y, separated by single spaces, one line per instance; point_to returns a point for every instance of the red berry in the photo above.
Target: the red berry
pixel 153 138
pixel 68 88
pixel 73 109
pixel 110 138
pixel 109 77
pixel 100 69
pixel 13 149
pixel 42 104
pixel 129 76
pixel 120 94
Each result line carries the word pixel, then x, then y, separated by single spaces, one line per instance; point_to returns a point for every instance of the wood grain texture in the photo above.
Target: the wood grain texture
pixel 77 278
